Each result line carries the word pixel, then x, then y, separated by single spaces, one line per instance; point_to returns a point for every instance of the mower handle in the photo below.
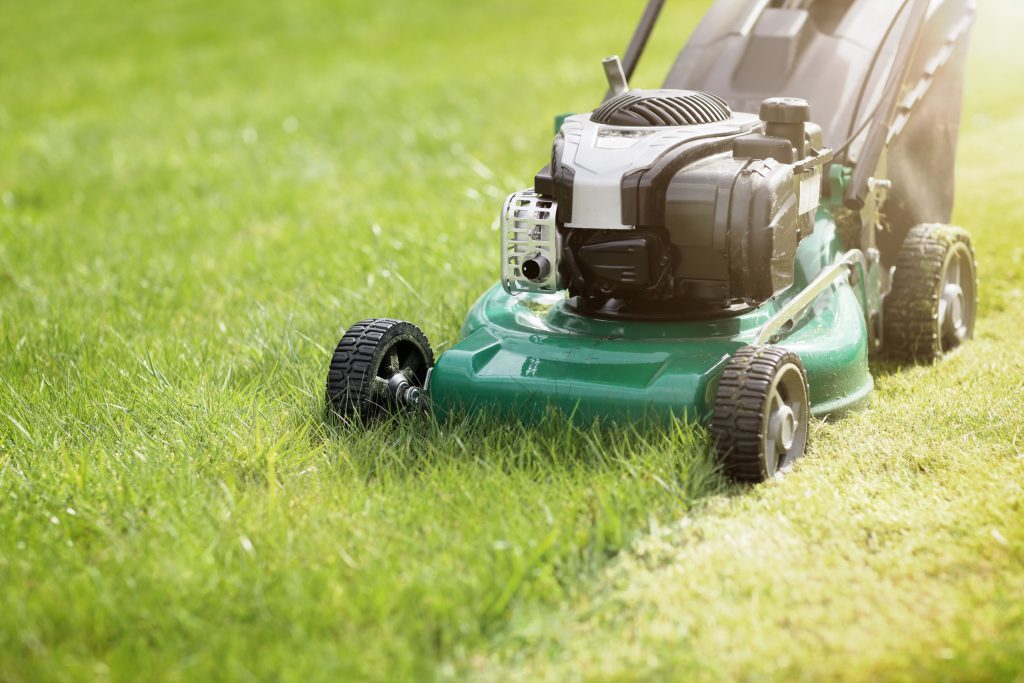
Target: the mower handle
pixel 878 132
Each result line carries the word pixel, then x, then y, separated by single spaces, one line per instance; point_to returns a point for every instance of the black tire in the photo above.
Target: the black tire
pixel 929 310
pixel 371 353
pixel 755 391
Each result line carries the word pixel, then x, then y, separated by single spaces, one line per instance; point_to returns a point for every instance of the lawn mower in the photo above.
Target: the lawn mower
pixel 681 257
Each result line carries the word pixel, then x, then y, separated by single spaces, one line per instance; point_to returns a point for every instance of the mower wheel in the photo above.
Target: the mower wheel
pixel 761 413
pixel 934 298
pixel 379 365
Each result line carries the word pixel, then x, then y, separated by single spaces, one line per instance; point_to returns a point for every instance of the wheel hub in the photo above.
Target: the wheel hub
pixel 956 299
pixel 953 309
pixel 785 428
pixel 782 428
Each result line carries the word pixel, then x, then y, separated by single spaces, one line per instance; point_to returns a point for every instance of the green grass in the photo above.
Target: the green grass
pixel 196 198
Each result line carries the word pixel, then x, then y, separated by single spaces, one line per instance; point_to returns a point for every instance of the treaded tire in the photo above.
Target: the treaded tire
pixel 368 354
pixel 915 311
pixel 740 426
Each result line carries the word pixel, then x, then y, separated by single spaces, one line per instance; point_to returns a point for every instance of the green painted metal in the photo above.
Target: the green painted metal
pixel 559 120
pixel 523 355
pixel 839 177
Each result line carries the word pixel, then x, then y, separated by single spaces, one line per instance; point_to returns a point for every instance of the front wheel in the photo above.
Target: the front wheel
pixel 762 411
pixel 934 299
pixel 379 365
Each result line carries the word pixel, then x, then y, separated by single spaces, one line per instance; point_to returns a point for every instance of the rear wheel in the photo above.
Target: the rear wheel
pixel 762 411
pixel 934 300
pixel 378 366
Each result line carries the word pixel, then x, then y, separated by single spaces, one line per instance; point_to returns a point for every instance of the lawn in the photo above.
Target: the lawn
pixel 197 198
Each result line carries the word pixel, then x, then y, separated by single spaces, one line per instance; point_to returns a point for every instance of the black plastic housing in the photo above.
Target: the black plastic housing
pixel 718 223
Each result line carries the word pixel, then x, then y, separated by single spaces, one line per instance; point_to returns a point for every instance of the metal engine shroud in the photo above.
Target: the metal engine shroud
pixel 689 204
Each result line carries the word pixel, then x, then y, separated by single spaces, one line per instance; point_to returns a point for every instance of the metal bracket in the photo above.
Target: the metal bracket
pixel 785 319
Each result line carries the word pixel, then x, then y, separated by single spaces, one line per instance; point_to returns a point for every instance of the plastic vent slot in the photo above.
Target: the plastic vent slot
pixel 638 108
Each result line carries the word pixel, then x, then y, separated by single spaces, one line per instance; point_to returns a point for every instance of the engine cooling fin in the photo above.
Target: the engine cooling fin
pixel 649 108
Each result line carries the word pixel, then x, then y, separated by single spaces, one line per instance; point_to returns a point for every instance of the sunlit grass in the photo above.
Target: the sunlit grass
pixel 197 198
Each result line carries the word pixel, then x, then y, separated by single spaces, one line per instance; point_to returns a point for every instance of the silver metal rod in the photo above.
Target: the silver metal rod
pixel 639 40
pixel 617 83
pixel 787 316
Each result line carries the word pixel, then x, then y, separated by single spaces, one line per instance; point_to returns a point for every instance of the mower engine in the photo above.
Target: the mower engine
pixel 666 203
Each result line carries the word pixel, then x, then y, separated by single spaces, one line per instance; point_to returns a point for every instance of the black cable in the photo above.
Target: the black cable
pixel 867 82
pixel 853 138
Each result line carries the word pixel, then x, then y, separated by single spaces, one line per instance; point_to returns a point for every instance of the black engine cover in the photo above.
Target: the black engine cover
pixel 637 260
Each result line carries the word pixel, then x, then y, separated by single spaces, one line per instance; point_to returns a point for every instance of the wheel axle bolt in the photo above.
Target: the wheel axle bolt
pixel 405 392
pixel 415 398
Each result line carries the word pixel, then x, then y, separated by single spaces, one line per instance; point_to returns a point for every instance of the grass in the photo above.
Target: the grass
pixel 197 198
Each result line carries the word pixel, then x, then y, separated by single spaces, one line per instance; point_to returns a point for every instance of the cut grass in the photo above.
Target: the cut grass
pixel 196 198
pixel 900 555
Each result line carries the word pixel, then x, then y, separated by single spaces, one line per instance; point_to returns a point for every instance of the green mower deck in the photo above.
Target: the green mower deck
pixel 523 355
